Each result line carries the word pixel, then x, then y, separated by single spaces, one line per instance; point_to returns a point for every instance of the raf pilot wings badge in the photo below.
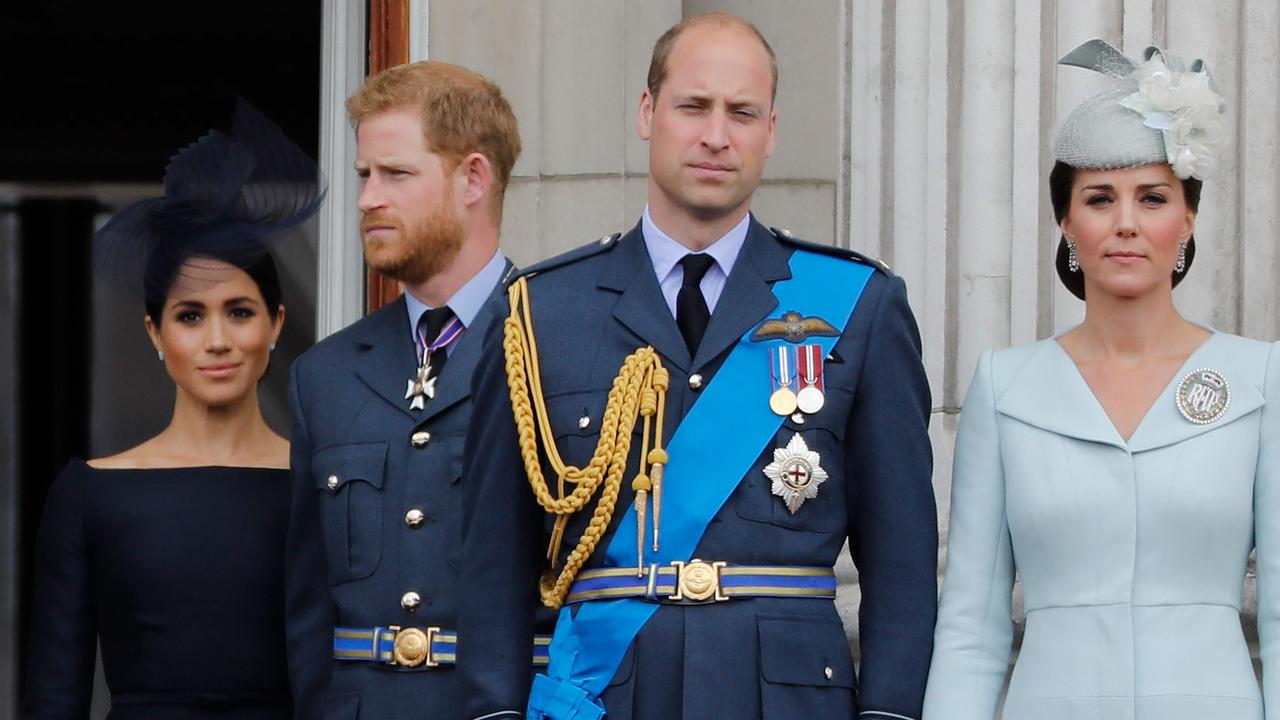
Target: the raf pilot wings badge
pixel 794 328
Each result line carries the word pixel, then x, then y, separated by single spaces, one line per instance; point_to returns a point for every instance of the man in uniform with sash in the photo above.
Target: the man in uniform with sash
pixel 381 409
pixel 677 430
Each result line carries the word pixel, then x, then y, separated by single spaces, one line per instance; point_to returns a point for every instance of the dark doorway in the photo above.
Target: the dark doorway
pixel 106 91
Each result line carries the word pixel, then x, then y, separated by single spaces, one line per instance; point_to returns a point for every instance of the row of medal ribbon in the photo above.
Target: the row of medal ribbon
pixel 796 375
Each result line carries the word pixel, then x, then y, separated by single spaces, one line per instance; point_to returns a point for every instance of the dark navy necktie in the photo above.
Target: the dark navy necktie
pixel 429 327
pixel 692 314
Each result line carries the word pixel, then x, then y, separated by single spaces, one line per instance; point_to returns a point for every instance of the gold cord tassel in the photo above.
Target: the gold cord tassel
pixel 657 456
pixel 641 486
pixel 639 388
pixel 557 536
pixel 659 459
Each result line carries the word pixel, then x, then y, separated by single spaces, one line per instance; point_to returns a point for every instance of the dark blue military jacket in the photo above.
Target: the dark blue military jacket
pixel 361 462
pixel 745 658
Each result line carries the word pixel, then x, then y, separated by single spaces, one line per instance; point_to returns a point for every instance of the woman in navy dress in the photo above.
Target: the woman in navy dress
pixel 170 554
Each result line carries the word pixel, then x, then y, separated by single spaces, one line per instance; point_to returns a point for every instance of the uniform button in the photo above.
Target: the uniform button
pixel 420 438
pixel 798 418
pixel 584 421
pixel 695 382
pixel 414 517
pixel 828 672
pixel 410 601
pixel 332 483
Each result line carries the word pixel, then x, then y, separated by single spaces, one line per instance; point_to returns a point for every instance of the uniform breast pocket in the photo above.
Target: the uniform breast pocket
pixel 349 477
pixel 806 669
pixel 805 474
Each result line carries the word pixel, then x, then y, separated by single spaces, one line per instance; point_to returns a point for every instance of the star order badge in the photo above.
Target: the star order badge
pixel 796 473
pixel 1203 396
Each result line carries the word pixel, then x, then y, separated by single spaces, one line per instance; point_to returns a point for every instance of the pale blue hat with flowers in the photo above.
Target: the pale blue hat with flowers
pixel 1159 111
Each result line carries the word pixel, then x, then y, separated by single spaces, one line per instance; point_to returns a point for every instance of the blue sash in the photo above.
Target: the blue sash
pixel 588 646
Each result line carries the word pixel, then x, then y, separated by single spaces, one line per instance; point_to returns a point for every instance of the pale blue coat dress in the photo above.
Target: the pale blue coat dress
pixel 1131 555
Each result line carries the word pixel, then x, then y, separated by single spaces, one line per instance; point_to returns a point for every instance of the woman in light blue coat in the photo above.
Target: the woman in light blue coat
pixel 1125 468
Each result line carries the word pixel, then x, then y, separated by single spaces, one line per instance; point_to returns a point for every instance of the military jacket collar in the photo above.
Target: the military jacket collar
pixel 746 300
pixel 389 358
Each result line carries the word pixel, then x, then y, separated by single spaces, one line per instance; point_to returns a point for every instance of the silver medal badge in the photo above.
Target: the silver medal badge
pixel 1203 396
pixel 795 473
pixel 421 388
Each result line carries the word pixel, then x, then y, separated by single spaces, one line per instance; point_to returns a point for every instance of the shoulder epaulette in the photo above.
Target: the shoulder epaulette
pixel 788 237
pixel 603 244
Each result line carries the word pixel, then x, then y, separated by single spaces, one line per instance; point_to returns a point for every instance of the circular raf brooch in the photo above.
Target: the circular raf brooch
pixel 1203 396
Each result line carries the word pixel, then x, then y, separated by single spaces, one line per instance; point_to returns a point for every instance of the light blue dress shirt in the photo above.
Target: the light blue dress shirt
pixel 467 302
pixel 665 252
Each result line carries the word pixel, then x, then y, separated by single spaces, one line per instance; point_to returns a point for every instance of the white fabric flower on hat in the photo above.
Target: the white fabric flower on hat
pixel 1187 111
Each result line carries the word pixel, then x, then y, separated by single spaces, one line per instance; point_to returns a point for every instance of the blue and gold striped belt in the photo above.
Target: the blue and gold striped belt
pixel 698 581
pixel 410 646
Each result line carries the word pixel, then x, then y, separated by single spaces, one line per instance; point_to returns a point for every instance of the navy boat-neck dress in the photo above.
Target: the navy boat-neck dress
pixel 178 573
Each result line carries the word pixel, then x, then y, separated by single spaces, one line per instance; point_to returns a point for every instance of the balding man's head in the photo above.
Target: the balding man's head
pixel 662 49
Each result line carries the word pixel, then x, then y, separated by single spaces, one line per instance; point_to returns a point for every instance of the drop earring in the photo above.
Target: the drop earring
pixel 1073 261
pixel 161 354
pixel 1181 264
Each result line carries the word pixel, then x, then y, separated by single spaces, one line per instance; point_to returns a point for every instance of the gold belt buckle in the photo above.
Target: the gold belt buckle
pixel 413 646
pixel 698 581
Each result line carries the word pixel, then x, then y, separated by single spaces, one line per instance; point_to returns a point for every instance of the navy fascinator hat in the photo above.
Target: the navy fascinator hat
pixel 226 197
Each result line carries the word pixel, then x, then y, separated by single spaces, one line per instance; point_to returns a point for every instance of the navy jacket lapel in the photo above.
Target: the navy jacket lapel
pixel 641 308
pixel 389 359
pixel 748 295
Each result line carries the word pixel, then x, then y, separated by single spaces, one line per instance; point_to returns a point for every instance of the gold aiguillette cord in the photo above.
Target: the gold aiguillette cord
pixel 639 389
